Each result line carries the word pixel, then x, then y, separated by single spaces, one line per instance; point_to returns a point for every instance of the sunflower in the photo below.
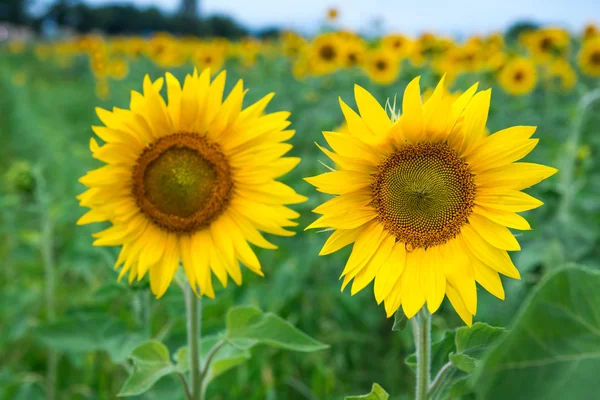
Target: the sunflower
pixel 118 68
pixel 192 182
pixel 589 57
pixel 381 66
pixel 209 55
pixel 547 44
pixel 561 72
pixel 518 76
pixel 590 31
pixel 354 52
pixel 427 199
pixel 399 45
pixel 325 54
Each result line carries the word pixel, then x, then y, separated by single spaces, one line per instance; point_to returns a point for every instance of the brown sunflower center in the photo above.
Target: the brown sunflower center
pixel 519 76
pixel 595 57
pixel 327 52
pixel 546 44
pixel 423 194
pixel 381 65
pixel 182 182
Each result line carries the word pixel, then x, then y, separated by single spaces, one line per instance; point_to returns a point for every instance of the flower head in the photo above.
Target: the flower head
pixel 192 182
pixel 427 200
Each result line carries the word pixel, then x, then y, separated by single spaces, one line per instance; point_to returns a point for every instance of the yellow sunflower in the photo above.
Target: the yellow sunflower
pixel 427 199
pixel 325 54
pixel 191 182
pixel 381 66
pixel 589 57
pixel 561 72
pixel 518 76
pixel 399 45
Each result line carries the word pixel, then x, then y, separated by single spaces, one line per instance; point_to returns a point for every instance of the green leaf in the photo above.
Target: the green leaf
pixel 377 393
pixel 83 333
pixel 226 358
pixel 400 321
pixel 552 351
pixel 182 359
pixel 247 326
pixel 241 316
pixel 151 362
pixel 460 388
pixel 477 337
pixel 463 362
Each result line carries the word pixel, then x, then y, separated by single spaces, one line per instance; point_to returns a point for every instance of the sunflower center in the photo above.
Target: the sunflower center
pixel 519 75
pixel 423 194
pixel 182 182
pixel 381 65
pixel 595 58
pixel 327 52
pixel 546 44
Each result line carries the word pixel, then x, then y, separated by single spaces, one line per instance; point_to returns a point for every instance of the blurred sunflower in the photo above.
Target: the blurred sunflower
pixel 427 199
pixel 518 76
pixel 561 71
pixel 354 53
pixel 325 54
pixel 398 45
pixel 589 57
pixel 332 14
pixel 292 44
pixel 209 55
pixel 192 182
pixel 117 68
pixel 548 43
pixel 590 32
pixel 381 66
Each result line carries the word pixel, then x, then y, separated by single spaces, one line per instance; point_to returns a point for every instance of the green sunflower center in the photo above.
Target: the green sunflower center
pixel 182 182
pixel 423 194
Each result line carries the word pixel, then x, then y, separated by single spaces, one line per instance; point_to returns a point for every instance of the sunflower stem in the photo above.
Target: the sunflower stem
pixel 568 184
pixel 422 334
pixel 194 328
pixel 47 249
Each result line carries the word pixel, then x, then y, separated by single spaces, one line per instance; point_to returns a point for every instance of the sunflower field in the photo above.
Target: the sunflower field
pixel 118 265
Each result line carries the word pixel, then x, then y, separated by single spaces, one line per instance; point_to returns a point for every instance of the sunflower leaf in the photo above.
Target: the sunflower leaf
pixel 400 321
pixel 551 352
pixel 248 326
pixel 463 362
pixel 151 361
pixel 377 393
pixel 477 337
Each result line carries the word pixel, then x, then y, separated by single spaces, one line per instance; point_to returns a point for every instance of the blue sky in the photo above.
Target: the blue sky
pixel 407 16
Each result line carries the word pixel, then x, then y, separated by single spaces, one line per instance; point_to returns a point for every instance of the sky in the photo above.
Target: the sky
pixel 454 17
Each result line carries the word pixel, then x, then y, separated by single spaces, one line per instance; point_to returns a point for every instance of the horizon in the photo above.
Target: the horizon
pixel 458 18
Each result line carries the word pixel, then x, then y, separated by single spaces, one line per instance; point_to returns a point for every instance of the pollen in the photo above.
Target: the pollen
pixel 423 194
pixel 182 182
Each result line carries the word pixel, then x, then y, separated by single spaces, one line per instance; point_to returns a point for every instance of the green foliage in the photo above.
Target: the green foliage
pixel 253 326
pixel 246 327
pixel 151 362
pixel 551 351
pixel 377 393
pixel 400 321
pixel 457 355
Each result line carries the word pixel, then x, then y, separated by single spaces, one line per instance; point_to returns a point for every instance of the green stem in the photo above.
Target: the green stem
pixel 194 320
pixel 567 173
pixel 439 378
pixel 47 249
pixel 422 334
